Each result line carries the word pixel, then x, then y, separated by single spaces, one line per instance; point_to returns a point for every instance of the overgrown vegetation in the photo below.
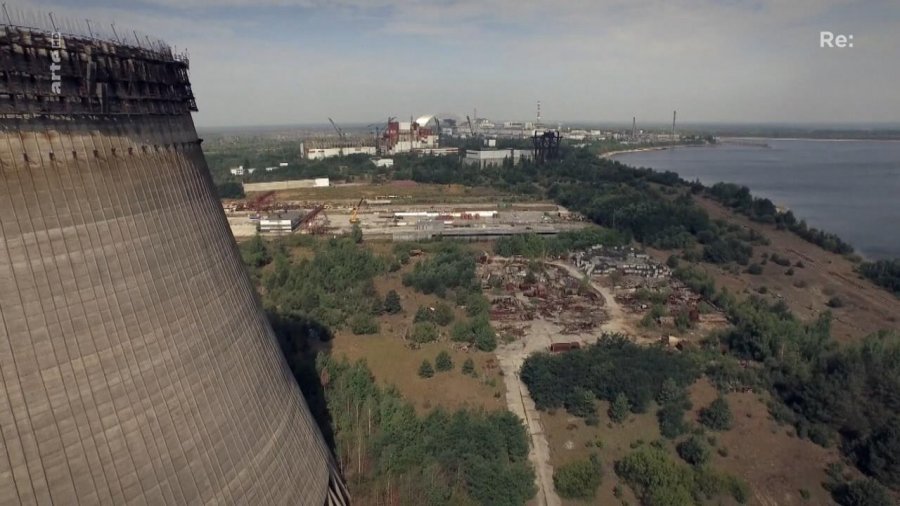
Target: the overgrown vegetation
pixel 386 450
pixel 578 479
pixel 333 286
pixel 763 210
pixel 613 366
pixel 536 246
pixel 659 481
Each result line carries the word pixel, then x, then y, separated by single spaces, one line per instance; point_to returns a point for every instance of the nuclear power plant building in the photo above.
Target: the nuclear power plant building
pixel 137 364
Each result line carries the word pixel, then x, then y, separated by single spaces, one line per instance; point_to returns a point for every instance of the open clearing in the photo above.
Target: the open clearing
pixel 394 363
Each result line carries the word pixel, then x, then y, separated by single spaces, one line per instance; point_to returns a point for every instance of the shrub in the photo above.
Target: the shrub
pixel 694 451
pixel 672 262
pixel 362 323
pixel 717 416
pixel 864 492
pixel 579 479
pixel 468 366
pixel 619 408
pixel 669 392
pixel 486 340
pixel 835 302
pixel 755 269
pixel 392 302
pixel 425 370
pixel 443 314
pixel 671 420
pixel 424 332
pixel 443 362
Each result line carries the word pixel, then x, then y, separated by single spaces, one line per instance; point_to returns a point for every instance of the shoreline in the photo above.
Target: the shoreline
pixel 857 250
pixel 610 154
pixel 811 139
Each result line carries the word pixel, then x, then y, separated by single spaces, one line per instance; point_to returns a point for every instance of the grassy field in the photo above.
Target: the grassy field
pixel 394 363
pixel 756 449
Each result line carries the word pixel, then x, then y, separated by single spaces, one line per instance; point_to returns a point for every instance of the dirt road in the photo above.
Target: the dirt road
pixel 511 357
pixel 538 337
pixel 616 323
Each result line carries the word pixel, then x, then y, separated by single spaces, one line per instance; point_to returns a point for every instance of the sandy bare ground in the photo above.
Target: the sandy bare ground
pixel 538 337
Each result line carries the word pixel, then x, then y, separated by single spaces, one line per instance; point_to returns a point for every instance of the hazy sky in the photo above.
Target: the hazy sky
pixel 301 61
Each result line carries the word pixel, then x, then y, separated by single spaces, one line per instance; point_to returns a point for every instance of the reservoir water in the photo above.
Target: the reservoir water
pixel 850 188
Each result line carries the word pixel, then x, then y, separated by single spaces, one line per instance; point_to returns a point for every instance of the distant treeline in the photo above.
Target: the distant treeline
pixel 535 246
pixel 885 273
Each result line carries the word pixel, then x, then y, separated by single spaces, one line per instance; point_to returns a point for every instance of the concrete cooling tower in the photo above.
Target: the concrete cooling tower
pixel 137 365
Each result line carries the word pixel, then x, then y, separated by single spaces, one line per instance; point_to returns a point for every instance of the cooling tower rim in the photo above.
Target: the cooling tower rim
pixel 86 31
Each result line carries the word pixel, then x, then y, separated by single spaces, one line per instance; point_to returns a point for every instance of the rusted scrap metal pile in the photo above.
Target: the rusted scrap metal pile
pixel 547 292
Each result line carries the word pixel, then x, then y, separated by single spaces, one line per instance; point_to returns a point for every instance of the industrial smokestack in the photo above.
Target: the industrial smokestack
pixel 633 127
pixel 674 114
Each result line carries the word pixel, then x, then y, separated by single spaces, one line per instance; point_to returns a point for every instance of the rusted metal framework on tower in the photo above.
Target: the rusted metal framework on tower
pixel 546 145
pixel 49 73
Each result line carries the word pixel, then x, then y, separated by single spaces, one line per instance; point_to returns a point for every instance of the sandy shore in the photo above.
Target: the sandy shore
pixel 610 154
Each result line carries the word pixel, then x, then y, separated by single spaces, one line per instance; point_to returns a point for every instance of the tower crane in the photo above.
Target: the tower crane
pixel 340 132
pixel 471 128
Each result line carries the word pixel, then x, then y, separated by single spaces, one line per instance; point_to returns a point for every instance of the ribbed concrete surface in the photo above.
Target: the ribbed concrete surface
pixel 137 366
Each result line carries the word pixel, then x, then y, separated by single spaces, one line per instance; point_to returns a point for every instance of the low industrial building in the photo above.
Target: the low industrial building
pixel 496 157
pixel 322 153
pixel 280 223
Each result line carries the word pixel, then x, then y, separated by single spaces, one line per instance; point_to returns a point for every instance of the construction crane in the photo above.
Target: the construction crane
pixel 354 214
pixel 377 130
pixel 471 128
pixel 340 132
pixel 261 202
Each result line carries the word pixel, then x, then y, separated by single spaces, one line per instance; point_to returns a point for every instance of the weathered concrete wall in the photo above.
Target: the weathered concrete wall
pixel 137 365
pixel 286 185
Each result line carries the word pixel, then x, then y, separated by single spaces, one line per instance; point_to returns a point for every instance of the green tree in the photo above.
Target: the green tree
pixel 694 451
pixel 356 233
pixel 717 416
pixel 443 362
pixel 578 479
pixel 425 370
pixel 392 302
pixel 619 409
pixel 580 402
